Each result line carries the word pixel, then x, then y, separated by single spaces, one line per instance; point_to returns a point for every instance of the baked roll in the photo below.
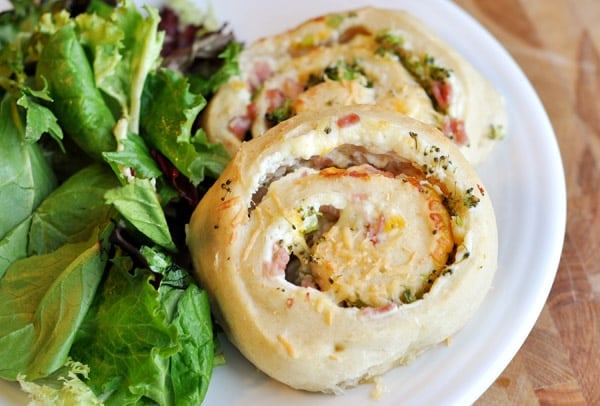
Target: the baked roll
pixel 355 57
pixel 338 76
pixel 342 243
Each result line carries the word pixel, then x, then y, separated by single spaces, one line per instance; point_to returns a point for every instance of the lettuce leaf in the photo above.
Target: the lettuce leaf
pixel 25 175
pixel 191 368
pixel 66 388
pixel 125 339
pixel 70 214
pixel 13 245
pixel 168 113
pixel 138 203
pixel 134 153
pixel 73 211
pixel 146 45
pixel 148 337
pixel 144 328
pixel 40 119
pixel 54 261
pixel 103 39
pixel 38 325
pixel 209 85
pixel 78 103
pixel 188 310
pixel 125 46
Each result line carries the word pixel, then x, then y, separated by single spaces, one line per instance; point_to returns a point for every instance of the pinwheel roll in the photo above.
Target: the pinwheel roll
pixel 338 76
pixel 342 243
pixel 277 70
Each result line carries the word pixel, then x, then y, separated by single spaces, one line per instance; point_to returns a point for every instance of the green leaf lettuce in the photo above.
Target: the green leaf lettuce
pixel 168 112
pixel 145 344
pixel 37 326
pixel 25 175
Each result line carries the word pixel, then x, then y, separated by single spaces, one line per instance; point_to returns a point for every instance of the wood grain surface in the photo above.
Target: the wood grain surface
pixel 557 44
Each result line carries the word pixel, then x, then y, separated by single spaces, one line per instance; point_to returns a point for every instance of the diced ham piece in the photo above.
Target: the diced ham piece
pixel 291 88
pixel 455 129
pixel 376 311
pixel 251 110
pixel 275 98
pixel 261 71
pixel 280 259
pixel 239 125
pixel 442 93
pixel 348 120
pixel 329 212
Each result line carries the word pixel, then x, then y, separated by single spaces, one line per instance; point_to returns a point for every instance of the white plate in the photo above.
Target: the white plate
pixel 525 178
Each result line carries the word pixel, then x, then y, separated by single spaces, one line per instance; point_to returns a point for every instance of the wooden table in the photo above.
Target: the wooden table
pixel 557 44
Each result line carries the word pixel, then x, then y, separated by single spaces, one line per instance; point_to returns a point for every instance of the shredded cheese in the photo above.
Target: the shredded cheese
pixel 289 348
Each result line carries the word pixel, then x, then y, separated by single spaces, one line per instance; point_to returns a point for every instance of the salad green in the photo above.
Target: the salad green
pixel 101 163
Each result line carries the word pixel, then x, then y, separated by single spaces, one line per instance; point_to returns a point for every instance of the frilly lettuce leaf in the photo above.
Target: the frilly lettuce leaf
pixel 125 338
pixel 104 40
pixel 188 310
pixel 39 119
pixel 144 334
pixel 168 113
pixel 125 46
pixel 68 388
pixel 94 55
pixel 230 67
